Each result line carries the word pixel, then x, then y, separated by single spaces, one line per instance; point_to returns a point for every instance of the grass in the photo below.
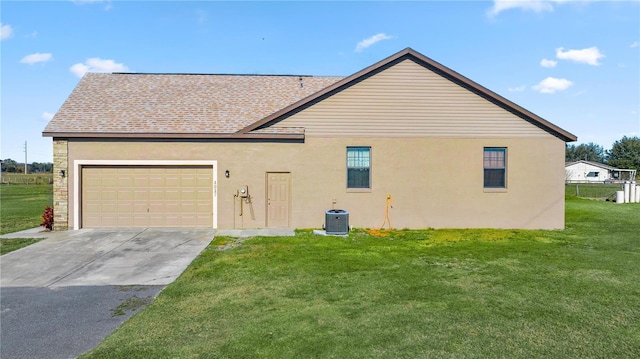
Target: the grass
pixel 405 294
pixel 20 208
pixel 22 205
pixel 11 244
pixel 600 191
pixel 27 179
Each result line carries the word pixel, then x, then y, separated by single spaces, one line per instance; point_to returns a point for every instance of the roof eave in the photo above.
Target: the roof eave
pixel 181 136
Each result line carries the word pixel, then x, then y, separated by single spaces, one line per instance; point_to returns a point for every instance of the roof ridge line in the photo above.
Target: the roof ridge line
pixel 215 74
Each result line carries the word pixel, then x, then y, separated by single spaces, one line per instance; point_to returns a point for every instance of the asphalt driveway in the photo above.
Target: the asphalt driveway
pixel 63 295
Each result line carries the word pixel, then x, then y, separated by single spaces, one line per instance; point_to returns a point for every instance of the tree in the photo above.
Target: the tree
pixel 625 153
pixel 585 151
pixel 10 165
pixel 37 167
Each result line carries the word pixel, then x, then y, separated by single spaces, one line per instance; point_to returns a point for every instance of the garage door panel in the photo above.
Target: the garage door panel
pixel 156 181
pixel 125 181
pixel 172 207
pixel 139 207
pixel 106 208
pixel 188 181
pixel 189 195
pixel 108 194
pixel 125 221
pixel 93 195
pixel 125 194
pixel 188 207
pixel 204 195
pixel 141 181
pixel 109 181
pixel 106 221
pixel 172 221
pixel 94 207
pixel 202 221
pixel 154 196
pixel 172 181
pixel 189 221
pixel 203 208
pixel 171 194
pixel 156 207
pixel 140 221
pixel 141 195
pixel 125 207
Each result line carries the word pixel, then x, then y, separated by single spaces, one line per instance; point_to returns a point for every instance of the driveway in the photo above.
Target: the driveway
pixel 63 295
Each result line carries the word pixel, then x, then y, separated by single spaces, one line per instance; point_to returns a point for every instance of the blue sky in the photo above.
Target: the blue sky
pixel 575 63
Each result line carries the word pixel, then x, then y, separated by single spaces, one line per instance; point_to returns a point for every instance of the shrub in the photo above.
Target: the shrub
pixel 47 218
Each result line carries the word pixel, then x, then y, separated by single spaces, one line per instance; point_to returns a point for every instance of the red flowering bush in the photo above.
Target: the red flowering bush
pixel 47 218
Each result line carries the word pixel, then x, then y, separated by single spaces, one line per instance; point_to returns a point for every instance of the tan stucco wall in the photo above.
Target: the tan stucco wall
pixel 434 182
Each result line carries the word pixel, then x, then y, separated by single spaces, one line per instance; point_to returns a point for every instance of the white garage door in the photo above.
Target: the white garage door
pixel 147 196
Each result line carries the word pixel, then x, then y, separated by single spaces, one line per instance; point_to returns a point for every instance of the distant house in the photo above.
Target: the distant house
pixel 594 172
pixel 263 151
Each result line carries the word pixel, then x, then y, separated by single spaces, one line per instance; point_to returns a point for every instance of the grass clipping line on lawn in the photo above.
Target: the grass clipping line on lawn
pixel 432 293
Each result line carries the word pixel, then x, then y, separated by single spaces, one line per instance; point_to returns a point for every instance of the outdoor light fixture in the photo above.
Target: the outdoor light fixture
pixel 62 173
pixel 226 173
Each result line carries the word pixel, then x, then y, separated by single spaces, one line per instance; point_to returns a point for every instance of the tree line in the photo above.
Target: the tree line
pixel 624 153
pixel 11 166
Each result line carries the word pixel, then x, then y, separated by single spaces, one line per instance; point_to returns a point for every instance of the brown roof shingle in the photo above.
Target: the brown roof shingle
pixel 203 106
pixel 177 103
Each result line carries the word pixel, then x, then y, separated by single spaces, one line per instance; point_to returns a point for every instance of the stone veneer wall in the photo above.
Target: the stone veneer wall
pixel 60 185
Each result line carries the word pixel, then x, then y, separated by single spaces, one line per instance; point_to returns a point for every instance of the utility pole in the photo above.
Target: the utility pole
pixel 25 157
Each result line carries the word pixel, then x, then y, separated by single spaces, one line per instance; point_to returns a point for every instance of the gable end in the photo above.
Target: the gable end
pixel 429 64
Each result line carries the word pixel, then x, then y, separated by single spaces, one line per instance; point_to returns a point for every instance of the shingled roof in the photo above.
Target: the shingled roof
pixel 177 105
pixel 226 106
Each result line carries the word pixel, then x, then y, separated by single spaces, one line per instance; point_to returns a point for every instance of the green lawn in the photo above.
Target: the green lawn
pixel 21 206
pixel 27 179
pixel 593 190
pixel 11 244
pixel 410 294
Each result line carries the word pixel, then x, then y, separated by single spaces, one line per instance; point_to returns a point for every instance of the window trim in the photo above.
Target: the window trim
pixel 357 189
pixel 504 168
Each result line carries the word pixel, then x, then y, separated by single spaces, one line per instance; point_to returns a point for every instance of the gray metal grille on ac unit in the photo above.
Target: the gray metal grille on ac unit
pixel 336 221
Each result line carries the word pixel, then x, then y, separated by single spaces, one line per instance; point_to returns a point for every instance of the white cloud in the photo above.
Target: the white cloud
pixel 35 58
pixel 96 64
pixel 372 40
pixel 635 44
pixel 588 56
pixel 6 31
pixel 517 89
pixel 548 63
pixel 552 84
pixel 47 116
pixel 528 5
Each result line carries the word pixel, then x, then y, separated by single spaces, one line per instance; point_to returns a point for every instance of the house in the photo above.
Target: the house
pixel 593 172
pixel 255 151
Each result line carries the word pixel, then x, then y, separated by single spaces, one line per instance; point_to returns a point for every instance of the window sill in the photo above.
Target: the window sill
pixel 495 190
pixel 358 190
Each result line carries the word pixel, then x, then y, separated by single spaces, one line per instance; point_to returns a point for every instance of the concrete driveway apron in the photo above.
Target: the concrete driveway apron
pixel 63 295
